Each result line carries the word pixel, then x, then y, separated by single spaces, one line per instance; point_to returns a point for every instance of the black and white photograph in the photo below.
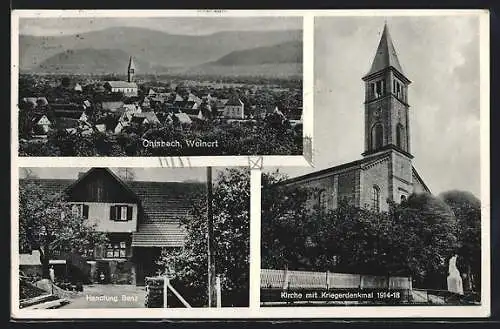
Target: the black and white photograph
pixel 391 213
pixel 159 86
pixel 96 238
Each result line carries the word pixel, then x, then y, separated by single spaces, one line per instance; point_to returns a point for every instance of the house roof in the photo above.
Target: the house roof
pixel 65 122
pixel 163 204
pixel 234 101
pixel 121 84
pixel 183 117
pixel 60 114
pixel 37 117
pixel 111 105
pixel 150 116
pixel 159 235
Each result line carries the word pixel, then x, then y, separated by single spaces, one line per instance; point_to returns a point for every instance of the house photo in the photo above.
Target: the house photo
pixel 108 231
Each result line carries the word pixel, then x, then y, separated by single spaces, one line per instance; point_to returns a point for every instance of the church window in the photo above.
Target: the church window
pixel 376 198
pixel 379 88
pixel 399 136
pixel 377 136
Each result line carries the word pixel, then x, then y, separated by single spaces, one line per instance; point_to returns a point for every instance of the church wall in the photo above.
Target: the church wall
pixel 375 174
pixel 382 117
pixel 399 115
pixel 348 187
pixel 402 176
pixel 326 184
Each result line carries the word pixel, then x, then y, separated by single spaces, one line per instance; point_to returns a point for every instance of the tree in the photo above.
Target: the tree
pixel 467 210
pixel 284 217
pixel 425 238
pixel 415 238
pixel 188 267
pixel 49 224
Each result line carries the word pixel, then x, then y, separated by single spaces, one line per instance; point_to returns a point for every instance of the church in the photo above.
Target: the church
pixel 385 171
pixel 128 88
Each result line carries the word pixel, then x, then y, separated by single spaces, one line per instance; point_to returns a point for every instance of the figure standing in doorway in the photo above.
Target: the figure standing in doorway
pixel 52 275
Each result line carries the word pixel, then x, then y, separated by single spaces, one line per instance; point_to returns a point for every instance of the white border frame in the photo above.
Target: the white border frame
pixel 254 310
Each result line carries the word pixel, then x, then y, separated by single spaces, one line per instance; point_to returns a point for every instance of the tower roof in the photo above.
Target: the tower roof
pixel 131 64
pixel 386 55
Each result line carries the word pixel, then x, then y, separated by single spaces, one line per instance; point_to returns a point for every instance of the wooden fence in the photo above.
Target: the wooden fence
pixel 285 279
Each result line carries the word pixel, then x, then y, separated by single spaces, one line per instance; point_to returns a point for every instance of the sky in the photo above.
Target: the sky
pixel 440 55
pixel 173 25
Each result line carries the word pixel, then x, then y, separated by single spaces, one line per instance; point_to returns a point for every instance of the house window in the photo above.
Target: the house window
pixel 377 136
pixel 80 210
pixel 376 198
pixel 120 213
pixel 88 252
pixel 403 198
pixel 116 250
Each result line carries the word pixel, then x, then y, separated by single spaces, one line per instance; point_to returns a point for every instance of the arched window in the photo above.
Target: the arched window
pixel 376 198
pixel 377 136
pixel 400 136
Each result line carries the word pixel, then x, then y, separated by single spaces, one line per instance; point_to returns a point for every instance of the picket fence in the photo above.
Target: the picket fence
pixel 286 279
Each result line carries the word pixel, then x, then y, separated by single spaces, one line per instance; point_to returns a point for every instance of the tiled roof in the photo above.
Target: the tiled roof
pixel 158 235
pixel 111 105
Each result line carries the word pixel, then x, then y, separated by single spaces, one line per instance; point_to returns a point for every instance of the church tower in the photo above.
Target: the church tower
pixel 386 102
pixel 131 70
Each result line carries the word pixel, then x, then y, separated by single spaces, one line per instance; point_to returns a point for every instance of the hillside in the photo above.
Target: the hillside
pixel 154 47
pixel 279 70
pixel 288 52
pixel 82 61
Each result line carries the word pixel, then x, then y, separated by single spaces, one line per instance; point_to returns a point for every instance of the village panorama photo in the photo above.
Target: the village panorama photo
pixel 132 238
pixel 159 86
pixel 393 212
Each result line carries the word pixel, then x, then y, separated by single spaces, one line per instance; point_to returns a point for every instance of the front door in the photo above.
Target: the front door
pixel 102 272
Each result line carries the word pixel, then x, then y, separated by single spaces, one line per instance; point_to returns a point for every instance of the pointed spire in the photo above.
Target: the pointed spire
pixel 386 55
pixel 131 64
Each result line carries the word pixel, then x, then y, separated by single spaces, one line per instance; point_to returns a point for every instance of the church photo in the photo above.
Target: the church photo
pixel 390 212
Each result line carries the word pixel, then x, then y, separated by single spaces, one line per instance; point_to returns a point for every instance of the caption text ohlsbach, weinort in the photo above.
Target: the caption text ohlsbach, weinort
pixel 189 143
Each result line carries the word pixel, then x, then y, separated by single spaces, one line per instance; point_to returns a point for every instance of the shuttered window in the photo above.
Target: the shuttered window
pixel 121 213
pixel 80 210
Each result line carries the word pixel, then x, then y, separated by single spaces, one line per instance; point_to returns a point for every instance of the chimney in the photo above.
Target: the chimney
pixel 80 174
